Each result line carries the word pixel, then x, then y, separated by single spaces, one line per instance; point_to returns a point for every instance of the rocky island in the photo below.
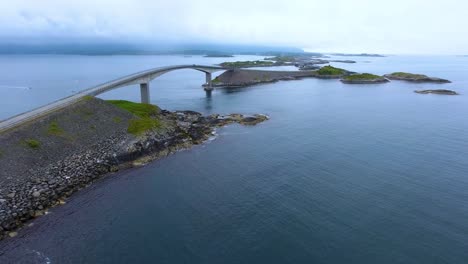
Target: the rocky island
pixel 330 72
pixel 437 91
pixel 411 77
pixel 363 78
pixel 242 78
pixel 303 62
pixel 48 159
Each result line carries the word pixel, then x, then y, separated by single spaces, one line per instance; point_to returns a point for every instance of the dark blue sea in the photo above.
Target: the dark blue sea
pixel 339 174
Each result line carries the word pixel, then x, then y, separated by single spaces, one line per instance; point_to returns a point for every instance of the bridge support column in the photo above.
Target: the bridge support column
pixel 145 93
pixel 208 81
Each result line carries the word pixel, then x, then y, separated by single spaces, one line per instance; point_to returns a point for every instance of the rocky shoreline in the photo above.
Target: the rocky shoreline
pixel 38 177
pixel 241 78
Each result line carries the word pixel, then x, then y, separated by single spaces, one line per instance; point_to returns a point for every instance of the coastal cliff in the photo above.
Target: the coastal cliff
pixel 47 160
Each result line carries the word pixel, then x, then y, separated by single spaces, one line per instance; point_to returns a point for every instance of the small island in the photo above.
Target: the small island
pixel 343 61
pixel 411 77
pixel 304 62
pixel 363 78
pixel 437 91
pixel 289 59
pixel 246 77
pixel 330 72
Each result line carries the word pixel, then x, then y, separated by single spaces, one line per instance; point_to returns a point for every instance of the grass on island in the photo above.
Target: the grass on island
pixel 242 64
pixel 282 59
pixel 139 126
pixel 330 70
pixel 407 75
pixel 361 77
pixel 87 97
pixel 31 143
pixel 146 112
pixel 138 109
pixel 54 129
pixel 216 80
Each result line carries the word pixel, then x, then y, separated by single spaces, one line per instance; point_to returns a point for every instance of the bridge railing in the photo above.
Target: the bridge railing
pixel 93 91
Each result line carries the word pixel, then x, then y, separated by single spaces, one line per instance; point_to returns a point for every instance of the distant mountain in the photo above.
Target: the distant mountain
pixel 113 48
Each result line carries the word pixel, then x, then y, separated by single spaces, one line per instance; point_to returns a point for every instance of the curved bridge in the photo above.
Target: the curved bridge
pixel 143 78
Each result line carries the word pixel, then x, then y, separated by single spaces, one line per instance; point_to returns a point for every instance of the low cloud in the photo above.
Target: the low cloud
pixel 398 26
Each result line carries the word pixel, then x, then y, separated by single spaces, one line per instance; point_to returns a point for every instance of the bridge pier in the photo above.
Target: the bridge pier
pixel 208 81
pixel 145 93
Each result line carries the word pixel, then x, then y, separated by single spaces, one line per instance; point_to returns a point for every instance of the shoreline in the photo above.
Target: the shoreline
pixel 46 183
pixel 245 77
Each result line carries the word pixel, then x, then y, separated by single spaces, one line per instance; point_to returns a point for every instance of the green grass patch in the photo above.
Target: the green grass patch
pixel 138 109
pixel 282 58
pixel 88 97
pixel 216 80
pixel 54 129
pixel 31 143
pixel 243 64
pixel 407 75
pixel 330 70
pixel 139 126
pixel 362 76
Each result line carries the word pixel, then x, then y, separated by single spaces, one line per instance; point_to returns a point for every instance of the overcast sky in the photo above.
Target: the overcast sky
pixel 395 27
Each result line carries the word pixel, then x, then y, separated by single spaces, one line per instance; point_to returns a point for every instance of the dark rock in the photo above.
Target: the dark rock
pixel 437 91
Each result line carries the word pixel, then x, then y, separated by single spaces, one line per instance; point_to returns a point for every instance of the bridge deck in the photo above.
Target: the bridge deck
pixel 136 78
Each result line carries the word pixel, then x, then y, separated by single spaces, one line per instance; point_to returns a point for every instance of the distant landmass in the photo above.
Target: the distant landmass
pixel 215 55
pixel 357 55
pixel 143 49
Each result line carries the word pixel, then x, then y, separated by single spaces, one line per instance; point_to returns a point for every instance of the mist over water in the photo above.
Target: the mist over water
pixel 339 174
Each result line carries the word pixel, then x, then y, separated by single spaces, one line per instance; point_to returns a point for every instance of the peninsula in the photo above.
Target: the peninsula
pixel 46 160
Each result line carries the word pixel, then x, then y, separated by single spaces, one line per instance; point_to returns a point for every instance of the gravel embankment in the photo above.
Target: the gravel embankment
pixel 45 161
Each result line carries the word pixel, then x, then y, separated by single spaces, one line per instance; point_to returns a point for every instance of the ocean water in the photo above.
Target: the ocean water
pixel 339 174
